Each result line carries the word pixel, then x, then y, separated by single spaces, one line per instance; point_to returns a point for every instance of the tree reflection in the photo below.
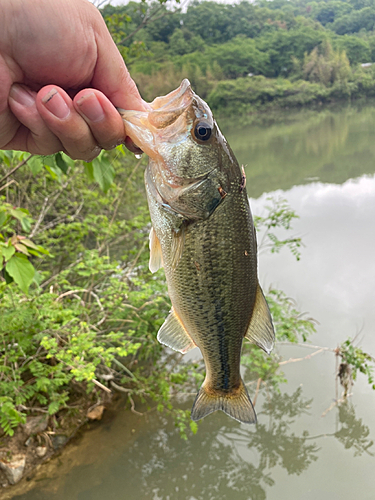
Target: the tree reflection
pixel 353 433
pixel 234 462
pixel 225 460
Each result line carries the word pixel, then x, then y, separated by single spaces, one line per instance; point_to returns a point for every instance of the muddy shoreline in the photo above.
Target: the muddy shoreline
pixel 43 438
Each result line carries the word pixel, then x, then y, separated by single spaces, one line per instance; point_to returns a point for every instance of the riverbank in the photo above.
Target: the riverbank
pixel 257 95
pixel 42 437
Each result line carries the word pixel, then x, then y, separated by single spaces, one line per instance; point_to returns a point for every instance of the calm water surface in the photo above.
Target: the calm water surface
pixel 324 165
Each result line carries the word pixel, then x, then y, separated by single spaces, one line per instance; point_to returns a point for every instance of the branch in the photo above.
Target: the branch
pixel 133 406
pixel 146 20
pixel 23 162
pixel 295 360
pixel 103 387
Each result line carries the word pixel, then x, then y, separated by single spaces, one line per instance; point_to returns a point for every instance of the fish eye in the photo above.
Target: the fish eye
pixel 202 131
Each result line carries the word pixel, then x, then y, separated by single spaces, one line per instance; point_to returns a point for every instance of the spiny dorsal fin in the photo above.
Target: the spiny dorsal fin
pixel 156 257
pixel 173 334
pixel 261 331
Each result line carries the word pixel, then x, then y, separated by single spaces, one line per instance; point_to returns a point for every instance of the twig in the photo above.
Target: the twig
pixel 47 282
pixel 119 388
pixel 335 403
pixel 21 164
pixel 295 360
pixel 257 391
pixel 133 406
pixel 126 370
pixel 136 259
pixel 308 346
pixel 41 217
pixel 8 184
pixel 99 384
pixel 145 20
pixel 70 292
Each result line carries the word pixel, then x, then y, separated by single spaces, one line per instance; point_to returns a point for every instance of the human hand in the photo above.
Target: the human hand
pixel 61 79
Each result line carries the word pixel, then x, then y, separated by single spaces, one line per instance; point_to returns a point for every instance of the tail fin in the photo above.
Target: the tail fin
pixel 237 405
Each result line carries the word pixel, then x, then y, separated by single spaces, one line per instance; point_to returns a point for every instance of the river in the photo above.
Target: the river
pixel 304 447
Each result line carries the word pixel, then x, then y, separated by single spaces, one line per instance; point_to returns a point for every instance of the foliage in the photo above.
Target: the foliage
pixel 354 360
pixel 90 314
pixel 217 45
pixel 279 215
pixel 326 66
pixel 290 325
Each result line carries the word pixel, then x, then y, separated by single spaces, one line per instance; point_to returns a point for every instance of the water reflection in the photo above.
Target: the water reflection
pixel 353 433
pixel 331 146
pixel 225 460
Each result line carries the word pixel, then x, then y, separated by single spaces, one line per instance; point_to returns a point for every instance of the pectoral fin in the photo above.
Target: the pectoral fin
pixel 156 257
pixel 173 334
pixel 261 331
pixel 177 247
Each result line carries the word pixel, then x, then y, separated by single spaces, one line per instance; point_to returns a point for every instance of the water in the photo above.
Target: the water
pixel 324 165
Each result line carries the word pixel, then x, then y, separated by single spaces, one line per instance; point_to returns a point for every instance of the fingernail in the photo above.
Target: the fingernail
pixel 21 95
pixel 56 104
pixel 90 107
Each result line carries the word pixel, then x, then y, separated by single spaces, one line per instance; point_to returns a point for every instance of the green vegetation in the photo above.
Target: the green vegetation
pixel 248 57
pixel 79 309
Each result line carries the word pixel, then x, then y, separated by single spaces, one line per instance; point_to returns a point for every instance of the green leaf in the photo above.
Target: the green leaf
pixel 8 252
pixel 52 168
pixel 193 427
pixel 26 224
pixel 103 172
pixel 89 171
pixel 18 213
pixel 3 218
pixel 21 270
pixel 35 164
pixel 61 163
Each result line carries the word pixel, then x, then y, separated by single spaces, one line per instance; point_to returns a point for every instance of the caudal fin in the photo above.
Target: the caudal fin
pixel 237 405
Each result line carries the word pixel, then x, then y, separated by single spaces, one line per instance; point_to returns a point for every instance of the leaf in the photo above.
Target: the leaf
pixel 29 243
pixel 3 218
pixel 8 252
pixel 18 213
pixel 103 172
pixel 61 163
pixel 89 171
pixel 193 427
pixel 36 164
pixel 21 248
pixel 52 168
pixel 26 224
pixel 21 270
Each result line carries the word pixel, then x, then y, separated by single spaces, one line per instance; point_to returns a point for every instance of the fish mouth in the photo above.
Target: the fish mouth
pixel 167 120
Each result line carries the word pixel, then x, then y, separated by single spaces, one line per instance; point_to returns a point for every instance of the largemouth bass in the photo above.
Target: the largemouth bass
pixel 203 234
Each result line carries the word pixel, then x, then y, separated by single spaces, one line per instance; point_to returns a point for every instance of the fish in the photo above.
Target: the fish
pixel 203 235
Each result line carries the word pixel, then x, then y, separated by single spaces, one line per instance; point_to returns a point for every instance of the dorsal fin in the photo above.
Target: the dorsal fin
pixel 261 331
pixel 173 334
pixel 156 257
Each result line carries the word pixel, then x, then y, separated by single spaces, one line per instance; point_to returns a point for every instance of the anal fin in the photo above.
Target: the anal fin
pixel 174 335
pixel 261 331
pixel 156 257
